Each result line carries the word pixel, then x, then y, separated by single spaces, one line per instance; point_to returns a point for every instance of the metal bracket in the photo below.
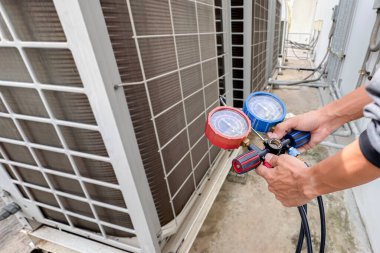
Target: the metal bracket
pixel 339 55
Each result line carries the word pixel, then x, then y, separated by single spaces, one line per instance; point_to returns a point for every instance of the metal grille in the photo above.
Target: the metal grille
pixel 50 144
pixel 276 40
pixel 167 57
pixel 259 43
pixel 237 33
pixel 339 40
pixel 219 8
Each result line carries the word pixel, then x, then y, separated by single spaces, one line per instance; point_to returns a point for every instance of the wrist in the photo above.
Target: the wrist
pixel 308 184
pixel 331 118
pixel 315 183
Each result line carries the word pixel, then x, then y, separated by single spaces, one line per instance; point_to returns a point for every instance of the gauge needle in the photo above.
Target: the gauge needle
pixel 267 111
pixel 231 126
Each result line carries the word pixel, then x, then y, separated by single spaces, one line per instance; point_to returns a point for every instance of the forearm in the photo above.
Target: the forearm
pixel 348 168
pixel 349 108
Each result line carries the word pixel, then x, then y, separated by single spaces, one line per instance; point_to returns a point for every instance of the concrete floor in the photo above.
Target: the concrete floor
pixel 12 240
pixel 247 218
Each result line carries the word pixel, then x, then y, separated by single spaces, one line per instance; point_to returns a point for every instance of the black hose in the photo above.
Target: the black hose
pixel 322 218
pixel 323 224
pixel 320 64
pixel 289 83
pixel 298 57
pixel 301 235
pixel 310 46
pixel 306 79
pixel 306 229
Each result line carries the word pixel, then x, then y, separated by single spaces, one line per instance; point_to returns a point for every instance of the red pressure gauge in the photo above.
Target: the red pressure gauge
pixel 227 127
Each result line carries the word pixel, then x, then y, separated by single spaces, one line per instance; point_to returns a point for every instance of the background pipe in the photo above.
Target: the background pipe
pixel 374 43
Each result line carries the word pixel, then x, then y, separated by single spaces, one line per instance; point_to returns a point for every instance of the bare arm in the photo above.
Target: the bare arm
pixel 322 122
pixel 349 164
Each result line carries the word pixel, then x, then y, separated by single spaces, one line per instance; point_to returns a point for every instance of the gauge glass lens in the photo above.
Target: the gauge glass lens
pixel 229 123
pixel 265 107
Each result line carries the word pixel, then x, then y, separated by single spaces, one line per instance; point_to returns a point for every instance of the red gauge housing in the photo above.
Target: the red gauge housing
pixel 222 140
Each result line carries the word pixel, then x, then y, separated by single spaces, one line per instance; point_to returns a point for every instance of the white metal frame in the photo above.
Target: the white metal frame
pixel 270 38
pixel 87 35
pixel 227 41
pixel 88 41
pixel 195 213
pixel 232 45
pixel 248 16
pixel 182 241
pixel 277 33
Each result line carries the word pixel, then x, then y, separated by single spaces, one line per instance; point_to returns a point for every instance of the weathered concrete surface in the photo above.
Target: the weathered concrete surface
pixel 247 218
pixel 12 240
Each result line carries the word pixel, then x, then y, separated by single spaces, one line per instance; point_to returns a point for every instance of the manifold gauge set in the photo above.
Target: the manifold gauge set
pixel 228 128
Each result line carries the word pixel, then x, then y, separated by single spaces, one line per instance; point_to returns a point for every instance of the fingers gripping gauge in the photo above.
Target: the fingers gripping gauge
pixel 227 127
pixel 265 110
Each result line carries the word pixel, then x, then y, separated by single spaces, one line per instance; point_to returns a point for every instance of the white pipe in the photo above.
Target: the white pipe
pixel 374 44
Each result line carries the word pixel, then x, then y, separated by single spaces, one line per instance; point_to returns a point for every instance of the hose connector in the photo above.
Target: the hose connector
pixel 9 210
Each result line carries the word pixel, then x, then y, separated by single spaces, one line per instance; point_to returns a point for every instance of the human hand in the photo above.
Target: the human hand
pixel 317 122
pixel 287 180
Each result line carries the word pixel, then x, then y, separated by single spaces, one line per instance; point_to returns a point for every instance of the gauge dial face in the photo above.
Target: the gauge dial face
pixel 266 107
pixel 229 123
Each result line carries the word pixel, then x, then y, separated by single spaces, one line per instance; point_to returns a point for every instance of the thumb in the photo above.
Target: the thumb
pixel 264 172
pixel 272 159
pixel 281 129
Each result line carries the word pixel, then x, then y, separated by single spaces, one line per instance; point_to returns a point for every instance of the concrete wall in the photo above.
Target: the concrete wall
pixel 324 11
pixel 356 50
pixel 357 45
pixel 367 196
pixel 302 19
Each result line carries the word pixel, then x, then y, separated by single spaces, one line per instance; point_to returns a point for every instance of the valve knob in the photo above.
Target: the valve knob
pixel 298 138
pixel 246 162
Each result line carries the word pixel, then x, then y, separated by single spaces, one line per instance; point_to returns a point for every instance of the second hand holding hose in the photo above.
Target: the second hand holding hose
pixel 255 156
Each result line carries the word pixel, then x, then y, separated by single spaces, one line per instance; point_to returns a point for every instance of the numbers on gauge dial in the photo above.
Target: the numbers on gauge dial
pixel 265 107
pixel 229 123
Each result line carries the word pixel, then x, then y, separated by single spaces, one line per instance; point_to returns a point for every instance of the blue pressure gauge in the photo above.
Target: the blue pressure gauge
pixel 265 110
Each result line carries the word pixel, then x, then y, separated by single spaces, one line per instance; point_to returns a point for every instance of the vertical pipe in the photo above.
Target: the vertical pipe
pixel 226 14
pixel 248 17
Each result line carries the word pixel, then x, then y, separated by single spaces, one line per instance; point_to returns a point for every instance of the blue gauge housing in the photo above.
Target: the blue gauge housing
pixel 265 110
